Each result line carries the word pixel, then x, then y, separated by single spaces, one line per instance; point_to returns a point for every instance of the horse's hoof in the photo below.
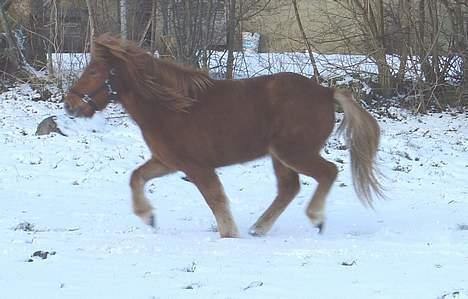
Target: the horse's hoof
pixel 152 221
pixel 233 233
pixel 230 235
pixel 317 219
pixel 320 227
pixel 148 218
pixel 256 231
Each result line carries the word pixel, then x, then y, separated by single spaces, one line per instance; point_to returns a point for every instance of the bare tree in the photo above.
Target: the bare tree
pixel 370 14
pixel 53 35
pixel 306 40
pixel 123 19
pixel 230 36
pixel 189 28
pixel 154 7
pixel 92 22
pixel 458 16
pixel 14 58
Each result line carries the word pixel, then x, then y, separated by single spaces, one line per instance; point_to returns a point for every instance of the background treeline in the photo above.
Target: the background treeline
pixel 419 47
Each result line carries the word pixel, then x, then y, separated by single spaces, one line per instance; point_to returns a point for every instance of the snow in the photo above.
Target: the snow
pixel 250 64
pixel 69 196
pixel 330 66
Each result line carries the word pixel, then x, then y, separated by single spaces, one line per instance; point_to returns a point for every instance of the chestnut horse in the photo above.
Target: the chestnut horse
pixel 194 124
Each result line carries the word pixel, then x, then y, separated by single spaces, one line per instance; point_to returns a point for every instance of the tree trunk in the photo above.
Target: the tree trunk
pixel 12 54
pixel 53 32
pixel 230 34
pixel 92 26
pixel 385 75
pixel 372 25
pixel 405 21
pixel 123 19
pixel 153 26
pixel 306 40
pixel 38 49
pixel 464 32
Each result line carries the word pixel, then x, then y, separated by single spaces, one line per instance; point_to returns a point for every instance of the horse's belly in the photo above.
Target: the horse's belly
pixel 237 151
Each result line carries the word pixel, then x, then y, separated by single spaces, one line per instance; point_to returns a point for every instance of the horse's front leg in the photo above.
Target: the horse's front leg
pixel 150 169
pixel 208 183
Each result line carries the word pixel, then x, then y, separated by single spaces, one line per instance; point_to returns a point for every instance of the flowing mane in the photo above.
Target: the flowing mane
pixel 174 86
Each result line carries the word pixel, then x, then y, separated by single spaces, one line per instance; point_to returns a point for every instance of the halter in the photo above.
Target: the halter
pixel 112 95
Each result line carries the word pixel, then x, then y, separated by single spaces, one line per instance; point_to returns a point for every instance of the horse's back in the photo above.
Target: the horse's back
pixel 284 108
pixel 241 120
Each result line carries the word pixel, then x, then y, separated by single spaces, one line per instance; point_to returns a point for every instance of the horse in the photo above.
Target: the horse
pixel 195 124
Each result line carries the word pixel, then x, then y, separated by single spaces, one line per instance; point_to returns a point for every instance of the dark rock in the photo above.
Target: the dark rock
pixel 48 125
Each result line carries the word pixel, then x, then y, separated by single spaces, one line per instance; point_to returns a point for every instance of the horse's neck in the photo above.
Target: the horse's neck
pixel 144 113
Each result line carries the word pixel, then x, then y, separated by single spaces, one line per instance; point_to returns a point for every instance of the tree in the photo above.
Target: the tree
pixel 123 19
pixel 306 40
pixel 370 15
pixel 230 36
pixel 92 22
pixel 15 60
pixel 189 28
pixel 458 16
pixel 12 53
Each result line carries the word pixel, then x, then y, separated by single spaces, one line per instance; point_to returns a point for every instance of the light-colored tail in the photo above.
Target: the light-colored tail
pixel 362 136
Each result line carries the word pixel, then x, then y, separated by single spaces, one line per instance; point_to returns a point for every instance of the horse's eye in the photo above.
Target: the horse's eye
pixel 93 72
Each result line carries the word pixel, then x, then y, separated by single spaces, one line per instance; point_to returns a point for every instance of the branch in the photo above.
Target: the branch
pixel 6 5
pixel 304 36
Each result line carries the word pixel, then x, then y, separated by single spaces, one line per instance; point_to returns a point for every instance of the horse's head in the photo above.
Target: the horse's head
pixel 93 91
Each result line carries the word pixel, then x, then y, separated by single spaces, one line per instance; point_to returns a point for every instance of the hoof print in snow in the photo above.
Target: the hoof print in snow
pixel 348 264
pixel 463 227
pixel 402 168
pixel 48 125
pixel 191 268
pixel 192 286
pixel 25 226
pixel 41 254
pixel 254 284
pixel 456 294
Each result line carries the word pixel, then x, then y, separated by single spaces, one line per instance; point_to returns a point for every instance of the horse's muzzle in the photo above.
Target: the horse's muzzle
pixel 70 110
pixel 67 107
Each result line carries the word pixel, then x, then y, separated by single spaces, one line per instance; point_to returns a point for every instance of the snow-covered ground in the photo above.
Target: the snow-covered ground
pixel 69 196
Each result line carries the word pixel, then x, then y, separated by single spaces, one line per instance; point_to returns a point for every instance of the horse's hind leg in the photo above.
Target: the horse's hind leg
pixel 150 169
pixel 288 186
pixel 324 172
pixel 208 183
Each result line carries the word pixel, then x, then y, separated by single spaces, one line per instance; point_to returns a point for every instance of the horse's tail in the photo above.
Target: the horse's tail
pixel 362 136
